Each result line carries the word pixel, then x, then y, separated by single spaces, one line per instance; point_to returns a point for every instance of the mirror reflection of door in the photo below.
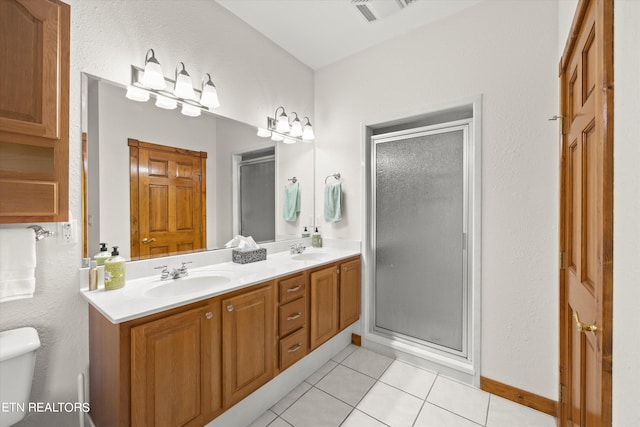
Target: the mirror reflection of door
pixel 168 200
pixel 256 198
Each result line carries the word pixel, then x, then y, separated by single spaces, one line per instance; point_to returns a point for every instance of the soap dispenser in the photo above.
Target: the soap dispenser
pixel 114 271
pixel 305 232
pixel 316 239
pixel 103 255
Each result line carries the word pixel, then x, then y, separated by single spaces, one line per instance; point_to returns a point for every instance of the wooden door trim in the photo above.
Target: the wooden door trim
pixel 604 118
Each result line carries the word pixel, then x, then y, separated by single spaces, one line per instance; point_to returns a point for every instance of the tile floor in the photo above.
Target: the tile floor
pixel 360 388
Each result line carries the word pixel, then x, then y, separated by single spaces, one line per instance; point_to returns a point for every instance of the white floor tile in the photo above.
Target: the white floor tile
pixel 505 413
pixel 464 400
pixel 264 419
pixel 409 378
pixel 367 362
pixel 324 370
pixel 316 409
pixel 345 352
pixel 290 398
pixel 434 416
pixel 360 419
pixel 346 384
pixel 390 405
pixel 279 422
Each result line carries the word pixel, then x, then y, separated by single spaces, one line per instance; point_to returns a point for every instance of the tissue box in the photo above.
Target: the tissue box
pixel 245 256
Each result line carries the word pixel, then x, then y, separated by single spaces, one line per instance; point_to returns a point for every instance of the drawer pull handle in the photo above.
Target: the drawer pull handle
pixel 296 289
pixel 295 348
pixel 229 308
pixel 295 316
pixel 209 315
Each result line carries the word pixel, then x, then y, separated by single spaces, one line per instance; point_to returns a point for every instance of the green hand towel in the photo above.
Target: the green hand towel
pixel 333 202
pixel 291 203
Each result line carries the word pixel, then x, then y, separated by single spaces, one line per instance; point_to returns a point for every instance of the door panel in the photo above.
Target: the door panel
pixel 586 214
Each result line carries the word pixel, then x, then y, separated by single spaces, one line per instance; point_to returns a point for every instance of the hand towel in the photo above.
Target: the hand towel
pixel 333 202
pixel 291 203
pixel 17 264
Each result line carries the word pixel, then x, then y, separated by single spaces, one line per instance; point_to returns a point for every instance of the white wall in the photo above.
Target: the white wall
pixel 626 214
pixel 253 77
pixel 506 51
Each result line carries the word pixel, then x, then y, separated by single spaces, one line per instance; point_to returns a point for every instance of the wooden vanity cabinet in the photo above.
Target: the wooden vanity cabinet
pixel 292 319
pixel 249 339
pixel 334 300
pixel 34 111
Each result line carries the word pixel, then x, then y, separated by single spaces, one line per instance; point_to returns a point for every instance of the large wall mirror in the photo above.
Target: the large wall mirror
pixel 159 183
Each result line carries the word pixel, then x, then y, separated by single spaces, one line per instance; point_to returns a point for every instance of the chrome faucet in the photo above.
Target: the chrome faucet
pixel 297 249
pixel 175 273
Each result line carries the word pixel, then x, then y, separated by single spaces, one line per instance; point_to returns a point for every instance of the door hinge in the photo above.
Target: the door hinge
pixel 563 260
pixel 562 393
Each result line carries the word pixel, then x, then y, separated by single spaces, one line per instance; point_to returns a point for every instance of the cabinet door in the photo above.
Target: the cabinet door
pixel 175 369
pixel 249 342
pixel 349 293
pixel 324 306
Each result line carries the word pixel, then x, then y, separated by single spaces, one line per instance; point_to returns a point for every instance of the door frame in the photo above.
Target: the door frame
pixel 604 18
pixel 466 371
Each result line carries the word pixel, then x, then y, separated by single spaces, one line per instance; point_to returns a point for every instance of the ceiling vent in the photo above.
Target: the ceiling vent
pixel 375 10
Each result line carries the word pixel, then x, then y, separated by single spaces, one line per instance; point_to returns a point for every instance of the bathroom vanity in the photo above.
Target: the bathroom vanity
pixel 179 352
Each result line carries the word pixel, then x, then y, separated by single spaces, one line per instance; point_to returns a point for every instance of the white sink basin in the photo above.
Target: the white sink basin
pixel 187 285
pixel 310 256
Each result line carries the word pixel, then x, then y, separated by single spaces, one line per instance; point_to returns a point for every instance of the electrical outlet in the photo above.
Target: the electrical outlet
pixel 68 232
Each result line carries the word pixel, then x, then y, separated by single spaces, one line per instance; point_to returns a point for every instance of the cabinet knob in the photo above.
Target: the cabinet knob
pixel 229 308
pixel 208 315
pixel 344 268
pixel 338 271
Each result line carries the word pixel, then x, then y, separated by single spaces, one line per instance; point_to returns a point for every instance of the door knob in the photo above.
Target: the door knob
pixel 583 327
pixel 146 240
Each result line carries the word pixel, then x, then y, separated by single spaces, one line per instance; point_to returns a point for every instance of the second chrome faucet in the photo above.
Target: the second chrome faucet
pixel 175 273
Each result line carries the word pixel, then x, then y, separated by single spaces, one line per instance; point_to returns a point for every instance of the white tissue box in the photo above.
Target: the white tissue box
pixel 245 256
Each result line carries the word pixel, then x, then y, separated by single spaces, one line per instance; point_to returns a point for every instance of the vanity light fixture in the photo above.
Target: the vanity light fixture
pixel 150 81
pixel 153 77
pixel 295 131
pixel 183 87
pixel 209 97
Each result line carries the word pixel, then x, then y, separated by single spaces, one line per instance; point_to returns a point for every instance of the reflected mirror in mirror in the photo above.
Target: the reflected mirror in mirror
pixel 159 183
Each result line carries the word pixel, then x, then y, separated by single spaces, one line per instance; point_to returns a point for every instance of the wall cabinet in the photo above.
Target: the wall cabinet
pixel 34 110
pixel 249 341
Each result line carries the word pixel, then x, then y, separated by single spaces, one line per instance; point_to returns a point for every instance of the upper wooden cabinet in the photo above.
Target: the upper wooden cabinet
pixel 34 110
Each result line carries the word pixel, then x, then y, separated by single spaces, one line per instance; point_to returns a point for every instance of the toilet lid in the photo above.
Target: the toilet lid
pixel 16 342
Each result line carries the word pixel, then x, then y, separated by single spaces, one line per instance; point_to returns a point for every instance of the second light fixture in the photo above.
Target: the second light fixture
pixel 282 128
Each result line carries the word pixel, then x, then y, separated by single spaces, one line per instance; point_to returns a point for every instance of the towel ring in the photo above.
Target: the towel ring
pixel 335 175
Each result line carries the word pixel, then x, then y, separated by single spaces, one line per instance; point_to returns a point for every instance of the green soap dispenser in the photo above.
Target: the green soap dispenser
pixel 103 255
pixel 316 239
pixel 114 271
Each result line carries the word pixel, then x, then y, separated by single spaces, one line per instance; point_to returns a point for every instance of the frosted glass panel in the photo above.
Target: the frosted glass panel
pixel 419 274
pixel 257 201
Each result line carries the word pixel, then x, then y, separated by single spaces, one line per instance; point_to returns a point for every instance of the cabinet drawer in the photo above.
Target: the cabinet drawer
pixel 293 348
pixel 292 288
pixel 292 316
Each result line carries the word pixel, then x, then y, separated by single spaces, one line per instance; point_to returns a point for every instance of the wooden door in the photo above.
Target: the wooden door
pixel 586 217
pixel 249 342
pixel 324 306
pixel 168 200
pixel 175 369
pixel 349 293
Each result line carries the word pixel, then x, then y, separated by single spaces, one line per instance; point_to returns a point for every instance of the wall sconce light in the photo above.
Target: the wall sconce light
pixel 279 128
pixel 151 81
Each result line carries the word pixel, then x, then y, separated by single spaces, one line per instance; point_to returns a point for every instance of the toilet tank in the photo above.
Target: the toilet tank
pixel 17 359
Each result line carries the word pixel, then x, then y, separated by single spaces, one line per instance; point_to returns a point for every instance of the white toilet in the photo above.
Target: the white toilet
pixel 17 359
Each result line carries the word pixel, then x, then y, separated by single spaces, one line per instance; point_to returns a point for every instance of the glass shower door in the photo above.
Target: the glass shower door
pixel 257 199
pixel 420 236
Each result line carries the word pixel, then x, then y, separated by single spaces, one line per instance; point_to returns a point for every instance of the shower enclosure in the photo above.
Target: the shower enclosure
pixel 421 196
pixel 256 175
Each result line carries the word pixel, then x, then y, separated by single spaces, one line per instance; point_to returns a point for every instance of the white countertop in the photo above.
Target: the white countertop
pixel 133 300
